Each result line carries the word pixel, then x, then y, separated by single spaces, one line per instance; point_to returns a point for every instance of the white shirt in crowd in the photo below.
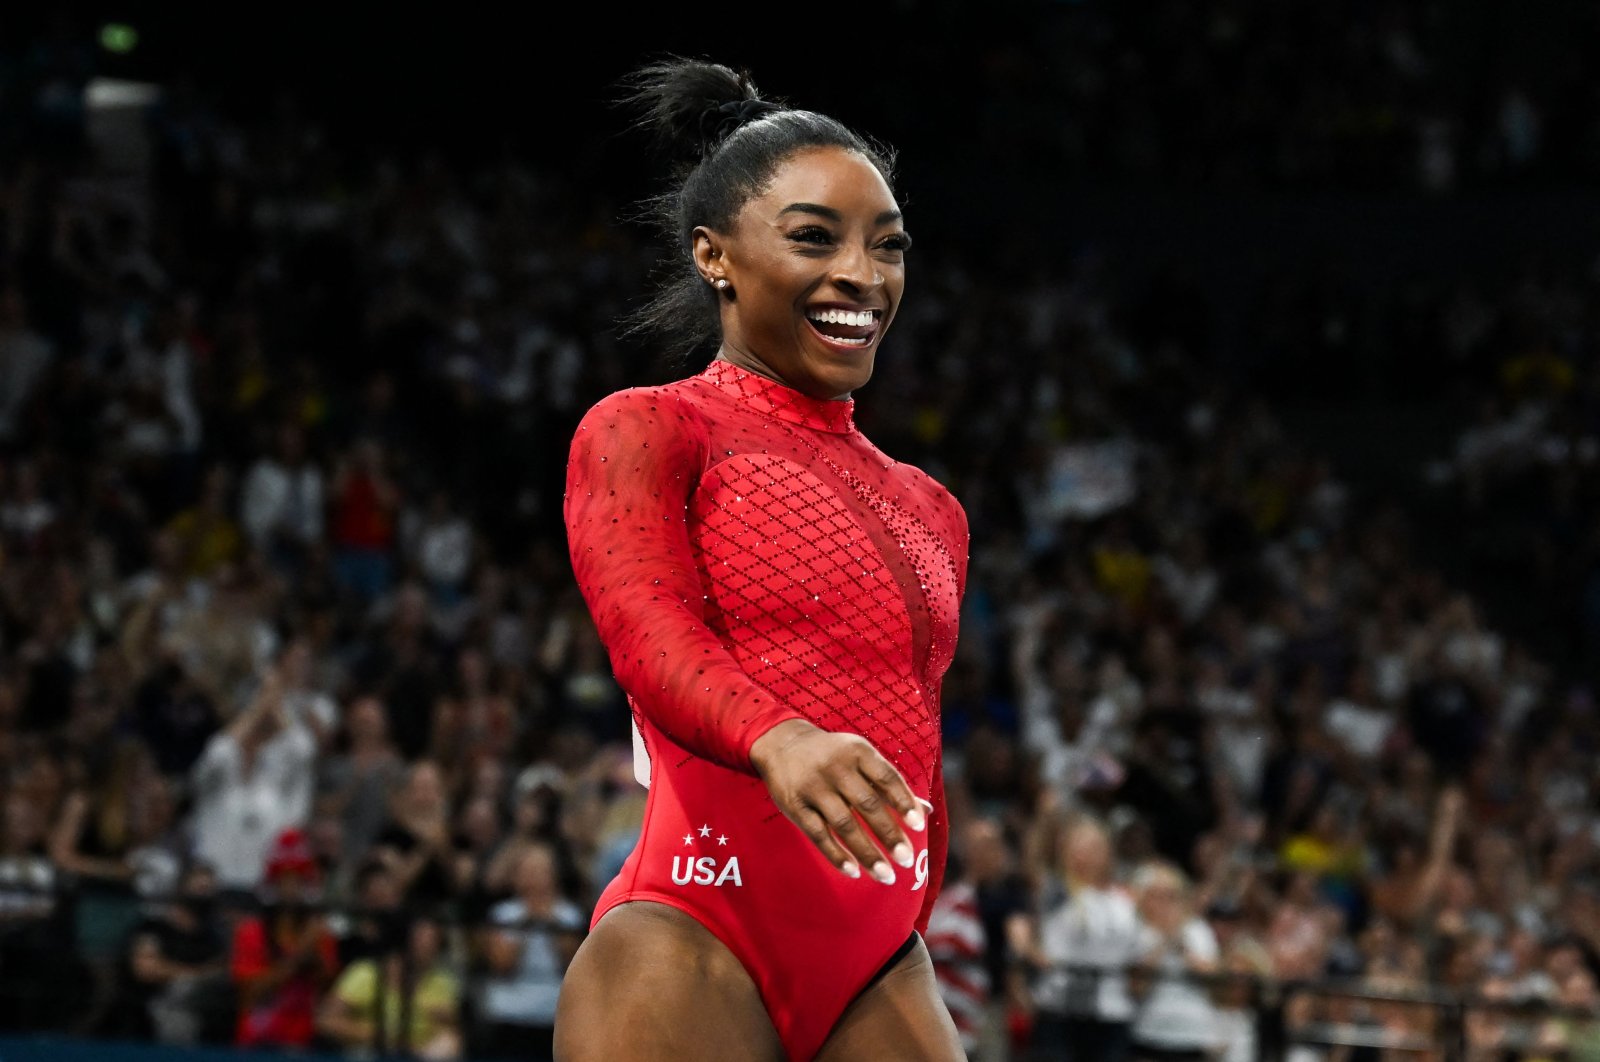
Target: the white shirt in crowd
pixel 276 500
pixel 1093 928
pixel 444 552
pixel 237 816
pixel 1177 1013
pixel 528 995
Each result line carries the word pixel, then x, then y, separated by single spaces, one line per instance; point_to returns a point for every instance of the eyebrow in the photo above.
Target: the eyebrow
pixel 833 215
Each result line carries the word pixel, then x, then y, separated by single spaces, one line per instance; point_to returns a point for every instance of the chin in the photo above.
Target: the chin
pixel 840 380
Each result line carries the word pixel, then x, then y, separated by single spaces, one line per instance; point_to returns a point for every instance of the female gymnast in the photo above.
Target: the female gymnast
pixel 779 599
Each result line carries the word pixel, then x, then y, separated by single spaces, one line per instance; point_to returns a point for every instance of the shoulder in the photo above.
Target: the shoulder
pixel 669 404
pixel 937 497
pixel 360 978
pixel 667 420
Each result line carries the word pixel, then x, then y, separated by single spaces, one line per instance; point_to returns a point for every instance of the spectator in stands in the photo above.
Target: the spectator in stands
pixel 1081 950
pixel 366 505
pixel 252 782
pixel 42 978
pixel 958 946
pixel 525 952
pixel 535 808
pixel 360 776
pixel 416 841
pixel 205 532
pixel 306 702
pixel 368 927
pixel 442 546
pixel 1004 902
pixel 405 1000
pixel 1175 956
pixel 284 958
pixel 281 505
pixel 171 713
pixel 174 986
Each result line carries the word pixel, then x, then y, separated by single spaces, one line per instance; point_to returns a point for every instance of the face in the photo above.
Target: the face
pixel 823 240
pixel 536 873
pixel 1088 854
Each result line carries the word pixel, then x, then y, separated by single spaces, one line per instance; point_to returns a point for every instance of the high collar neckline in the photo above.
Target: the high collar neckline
pixel 783 402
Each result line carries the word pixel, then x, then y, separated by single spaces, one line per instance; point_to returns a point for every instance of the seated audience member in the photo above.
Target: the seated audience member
pixel 527 949
pixel 174 985
pixel 367 930
pixel 42 977
pixel 284 957
pixel 1175 953
pixel 1079 953
pixel 405 1001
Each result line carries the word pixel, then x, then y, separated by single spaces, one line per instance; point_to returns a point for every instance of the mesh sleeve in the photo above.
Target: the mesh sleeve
pixel 635 458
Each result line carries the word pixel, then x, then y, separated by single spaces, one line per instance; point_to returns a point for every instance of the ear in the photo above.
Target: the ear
pixel 708 254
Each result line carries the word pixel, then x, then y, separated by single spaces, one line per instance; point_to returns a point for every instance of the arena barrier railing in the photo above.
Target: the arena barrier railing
pixel 1426 1023
pixel 64 960
pixel 63 949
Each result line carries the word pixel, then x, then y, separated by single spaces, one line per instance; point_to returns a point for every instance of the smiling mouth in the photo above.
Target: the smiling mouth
pixel 848 328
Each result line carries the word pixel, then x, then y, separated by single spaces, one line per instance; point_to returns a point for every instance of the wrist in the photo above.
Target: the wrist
pixel 770 746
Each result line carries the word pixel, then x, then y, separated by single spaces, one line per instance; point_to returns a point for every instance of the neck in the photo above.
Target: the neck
pixel 752 363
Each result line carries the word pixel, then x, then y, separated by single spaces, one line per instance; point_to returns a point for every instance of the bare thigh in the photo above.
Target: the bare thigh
pixel 649 983
pixel 899 1018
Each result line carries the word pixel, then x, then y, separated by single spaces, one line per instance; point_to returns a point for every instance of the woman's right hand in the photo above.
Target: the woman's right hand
pixel 842 794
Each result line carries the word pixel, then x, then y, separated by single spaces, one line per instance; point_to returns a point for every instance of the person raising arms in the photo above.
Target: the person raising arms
pixel 779 599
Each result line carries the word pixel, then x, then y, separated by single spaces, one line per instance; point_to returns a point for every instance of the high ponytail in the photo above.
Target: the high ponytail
pixel 677 99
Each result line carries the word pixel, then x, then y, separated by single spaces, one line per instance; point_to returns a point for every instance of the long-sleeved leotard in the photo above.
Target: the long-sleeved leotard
pixel 749 557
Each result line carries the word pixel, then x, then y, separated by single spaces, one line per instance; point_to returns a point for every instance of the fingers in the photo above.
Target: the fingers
pixel 848 799
pixel 881 773
pixel 843 824
pixel 815 827
pixel 869 803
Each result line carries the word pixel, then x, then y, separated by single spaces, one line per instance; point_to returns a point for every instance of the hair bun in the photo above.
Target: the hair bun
pixel 719 122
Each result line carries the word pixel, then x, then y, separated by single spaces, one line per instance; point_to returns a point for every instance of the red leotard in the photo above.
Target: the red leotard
pixel 748 557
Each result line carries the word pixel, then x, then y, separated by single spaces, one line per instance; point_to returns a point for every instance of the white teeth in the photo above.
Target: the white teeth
pixel 858 319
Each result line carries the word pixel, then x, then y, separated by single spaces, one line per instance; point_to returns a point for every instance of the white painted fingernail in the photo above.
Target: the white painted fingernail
pixel 883 872
pixel 851 870
pixel 915 820
pixel 902 854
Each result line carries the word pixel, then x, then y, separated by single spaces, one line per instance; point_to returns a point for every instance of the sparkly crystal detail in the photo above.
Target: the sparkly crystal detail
pixel 749 556
pixel 805 602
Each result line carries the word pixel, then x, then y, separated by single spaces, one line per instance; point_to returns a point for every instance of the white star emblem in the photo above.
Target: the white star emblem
pixel 705 831
pixel 688 838
pixel 723 839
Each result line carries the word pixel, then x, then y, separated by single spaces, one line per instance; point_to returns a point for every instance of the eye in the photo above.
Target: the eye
pixel 900 241
pixel 814 234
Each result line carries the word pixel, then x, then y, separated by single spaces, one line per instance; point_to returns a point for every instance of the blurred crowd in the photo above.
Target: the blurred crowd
pixel 306 738
pixel 1248 94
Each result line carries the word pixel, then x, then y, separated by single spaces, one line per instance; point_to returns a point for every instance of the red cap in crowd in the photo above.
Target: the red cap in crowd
pixel 291 854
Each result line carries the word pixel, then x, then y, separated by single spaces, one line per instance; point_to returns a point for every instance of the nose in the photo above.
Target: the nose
pixel 855 270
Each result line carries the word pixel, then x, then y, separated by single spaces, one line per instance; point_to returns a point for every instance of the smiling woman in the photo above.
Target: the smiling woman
pixel 779 599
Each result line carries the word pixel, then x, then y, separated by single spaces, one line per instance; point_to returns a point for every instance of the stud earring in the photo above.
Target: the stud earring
pixel 721 283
